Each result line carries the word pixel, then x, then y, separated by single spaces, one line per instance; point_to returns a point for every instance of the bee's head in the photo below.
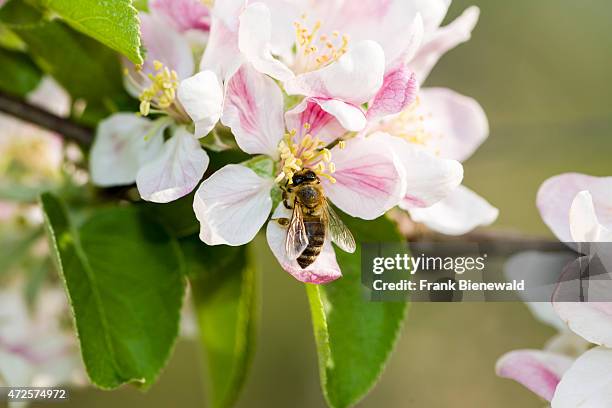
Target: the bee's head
pixel 304 176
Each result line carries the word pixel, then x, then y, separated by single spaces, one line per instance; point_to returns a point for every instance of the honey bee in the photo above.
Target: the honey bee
pixel 312 220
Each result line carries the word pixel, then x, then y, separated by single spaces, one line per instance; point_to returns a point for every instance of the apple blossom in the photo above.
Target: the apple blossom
pixel 575 207
pixel 363 176
pixel 132 149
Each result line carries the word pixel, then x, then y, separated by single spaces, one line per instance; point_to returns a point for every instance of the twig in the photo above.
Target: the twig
pixel 33 114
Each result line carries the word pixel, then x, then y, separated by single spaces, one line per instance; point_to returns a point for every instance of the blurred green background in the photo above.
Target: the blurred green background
pixel 541 69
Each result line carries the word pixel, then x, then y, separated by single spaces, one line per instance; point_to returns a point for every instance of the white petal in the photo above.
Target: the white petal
pixel 429 179
pixel 324 269
pixel 443 40
pixel 51 96
pixel 232 205
pixel 369 179
pixel 120 149
pixel 166 45
pixel 309 118
pixel 457 124
pixel 255 42
pixel 459 213
pixel 556 195
pixel 588 383
pixel 175 172
pixel 584 225
pixel 364 64
pixel 202 97
pixel 349 116
pixel 254 111
pixel 590 320
pixel 384 22
pixel 222 55
pixel 539 371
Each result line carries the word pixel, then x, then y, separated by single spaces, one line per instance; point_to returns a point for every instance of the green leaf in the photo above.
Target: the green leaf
pixel 113 23
pixel 125 282
pixel 85 68
pixel 354 337
pixel 20 75
pixel 226 298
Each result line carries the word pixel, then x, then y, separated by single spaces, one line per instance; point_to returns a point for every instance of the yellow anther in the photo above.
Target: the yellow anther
pixel 161 93
pixel 342 144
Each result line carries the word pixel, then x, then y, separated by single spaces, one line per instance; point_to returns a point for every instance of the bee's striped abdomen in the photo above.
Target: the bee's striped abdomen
pixel 315 230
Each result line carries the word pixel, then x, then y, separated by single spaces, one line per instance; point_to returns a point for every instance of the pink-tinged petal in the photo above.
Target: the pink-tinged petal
pixel 255 42
pixel 121 148
pixel 222 55
pixel 364 64
pixel 556 195
pixel 184 15
pixel 175 172
pixel 538 371
pixel 399 90
pixel 588 383
pixel 232 205
pixel 457 124
pixel 324 269
pixel 443 40
pixel 590 320
pixel 584 225
pixel 202 97
pixel 309 118
pixel 369 179
pixel 349 116
pixel 254 111
pixel 459 213
pixel 391 23
pixel 428 178
pixel 166 45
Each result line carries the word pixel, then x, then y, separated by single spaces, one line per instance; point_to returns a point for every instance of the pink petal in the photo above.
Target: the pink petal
pixel 364 64
pixel 369 180
pixel 254 111
pixel 120 149
pixel 556 195
pixel 232 205
pixel 459 213
pixel 309 118
pixel 255 42
pixel 184 15
pixel 222 54
pixel 539 371
pixel 399 90
pixel 325 268
pixel 165 45
pixel 457 124
pixel 587 383
pixel 175 172
pixel 443 40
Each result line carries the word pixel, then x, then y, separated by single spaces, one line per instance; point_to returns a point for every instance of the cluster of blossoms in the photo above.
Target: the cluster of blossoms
pixel 575 367
pixel 329 87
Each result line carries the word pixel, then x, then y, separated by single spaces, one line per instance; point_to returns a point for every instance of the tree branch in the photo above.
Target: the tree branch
pixel 33 114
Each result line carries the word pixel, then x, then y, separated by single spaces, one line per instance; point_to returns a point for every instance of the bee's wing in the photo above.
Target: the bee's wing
pixel 339 233
pixel 296 240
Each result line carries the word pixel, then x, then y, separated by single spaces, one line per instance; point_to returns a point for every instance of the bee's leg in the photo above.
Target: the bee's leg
pixel 286 200
pixel 283 222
